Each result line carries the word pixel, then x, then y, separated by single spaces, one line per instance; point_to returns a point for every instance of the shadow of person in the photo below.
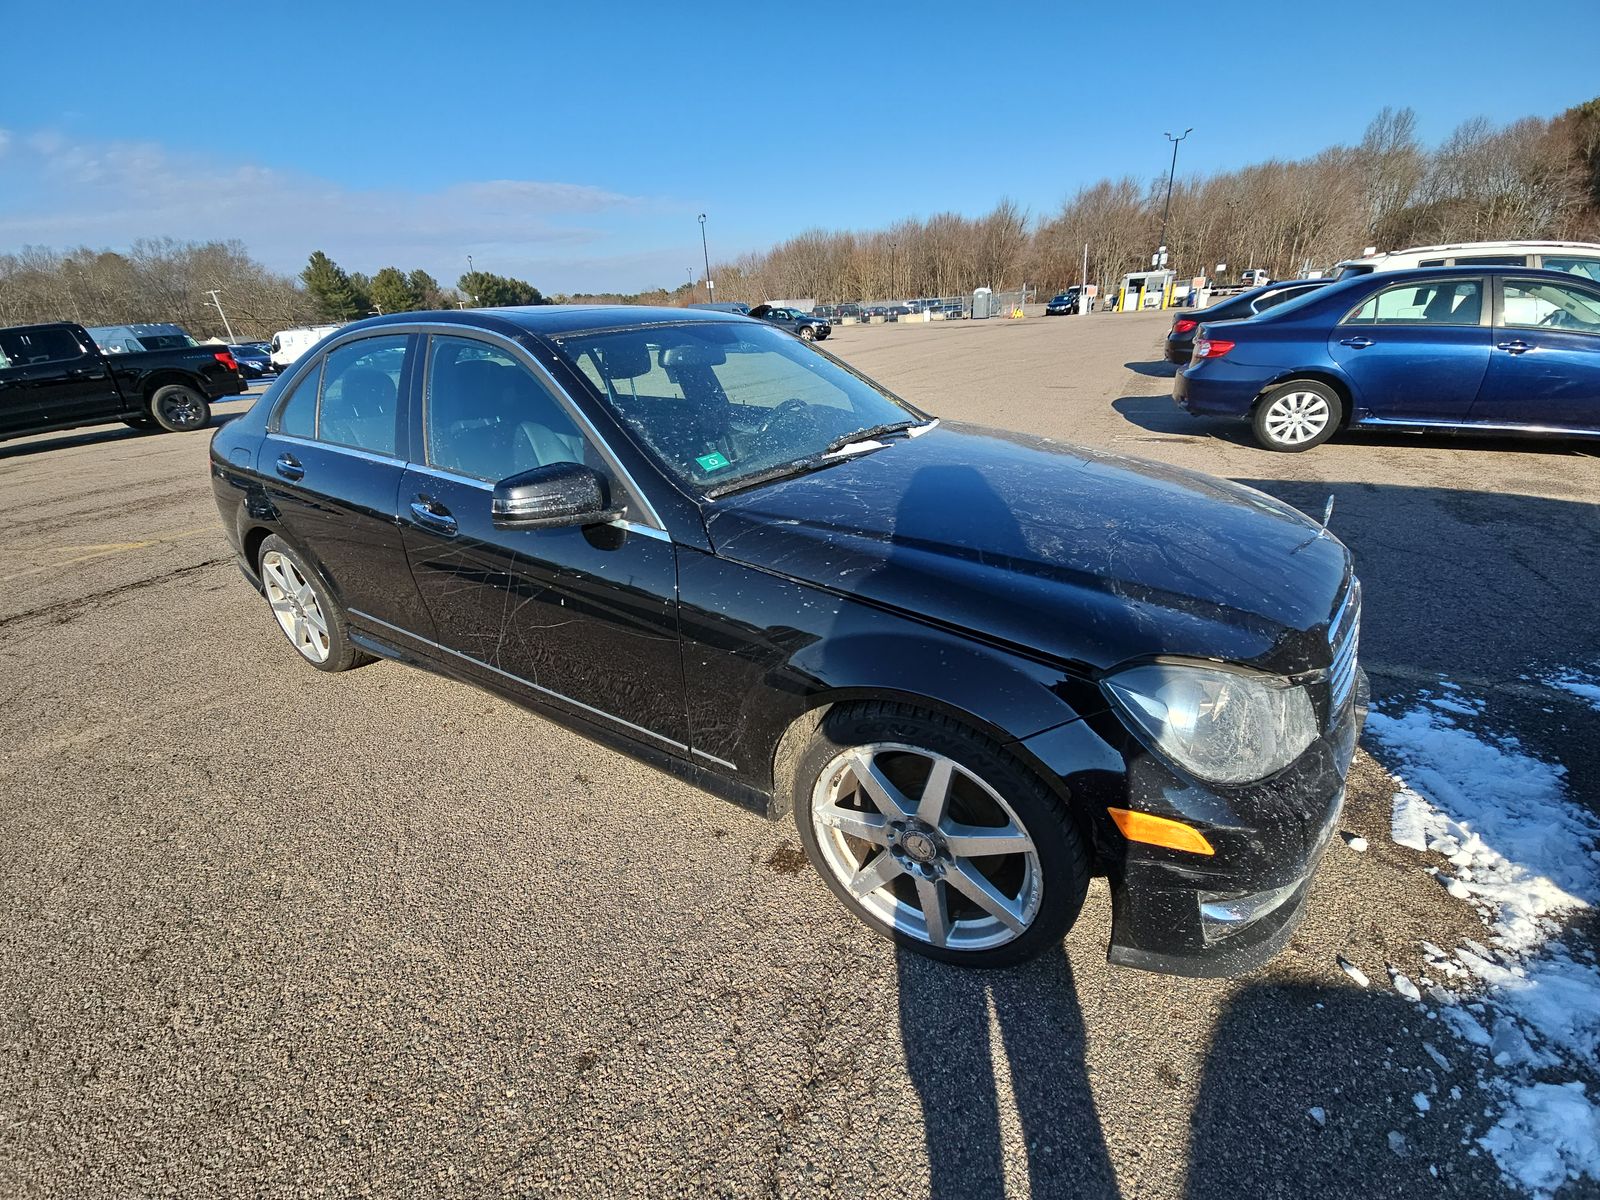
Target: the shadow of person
pixel 1309 1091
pixel 945 1024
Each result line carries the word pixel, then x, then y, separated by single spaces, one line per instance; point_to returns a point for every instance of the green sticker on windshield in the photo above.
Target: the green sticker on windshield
pixel 712 462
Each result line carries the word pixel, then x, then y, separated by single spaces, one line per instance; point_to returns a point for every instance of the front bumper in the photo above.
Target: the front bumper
pixel 1268 836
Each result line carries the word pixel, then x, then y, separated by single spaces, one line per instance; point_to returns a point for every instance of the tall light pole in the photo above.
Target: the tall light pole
pixel 706 254
pixel 214 293
pixel 894 278
pixel 1165 212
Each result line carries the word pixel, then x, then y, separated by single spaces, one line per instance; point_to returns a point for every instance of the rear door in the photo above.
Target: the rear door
pixel 1545 366
pixel 582 619
pixel 48 376
pixel 1416 352
pixel 332 459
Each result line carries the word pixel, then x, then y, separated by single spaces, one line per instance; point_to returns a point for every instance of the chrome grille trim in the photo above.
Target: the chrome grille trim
pixel 1344 637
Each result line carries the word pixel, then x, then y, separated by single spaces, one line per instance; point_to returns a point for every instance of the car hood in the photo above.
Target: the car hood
pixel 1085 557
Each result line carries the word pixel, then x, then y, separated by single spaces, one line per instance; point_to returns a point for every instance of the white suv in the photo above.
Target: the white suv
pixel 1580 258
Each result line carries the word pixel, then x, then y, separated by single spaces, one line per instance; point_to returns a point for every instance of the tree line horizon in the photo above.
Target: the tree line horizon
pixel 1535 178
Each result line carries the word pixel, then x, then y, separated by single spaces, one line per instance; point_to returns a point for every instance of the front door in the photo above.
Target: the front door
pixel 48 377
pixel 333 460
pixel 1545 366
pixel 585 619
pixel 1416 352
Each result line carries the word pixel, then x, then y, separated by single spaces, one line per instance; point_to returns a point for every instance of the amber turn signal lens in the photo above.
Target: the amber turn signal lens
pixel 1160 831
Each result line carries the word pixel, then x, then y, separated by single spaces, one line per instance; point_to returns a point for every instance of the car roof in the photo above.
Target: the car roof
pixel 554 320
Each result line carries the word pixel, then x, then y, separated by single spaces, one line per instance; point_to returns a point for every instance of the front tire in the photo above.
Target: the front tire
pixel 1297 415
pixel 935 837
pixel 807 334
pixel 304 610
pixel 179 409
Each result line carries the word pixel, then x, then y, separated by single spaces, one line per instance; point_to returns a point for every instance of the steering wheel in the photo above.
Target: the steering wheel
pixel 1553 318
pixel 783 412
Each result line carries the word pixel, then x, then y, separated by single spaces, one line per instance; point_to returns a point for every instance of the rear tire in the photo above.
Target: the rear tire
pixel 984 868
pixel 1297 415
pixel 179 409
pixel 304 609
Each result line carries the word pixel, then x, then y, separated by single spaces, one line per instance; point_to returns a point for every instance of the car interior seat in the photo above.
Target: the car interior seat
pixel 363 410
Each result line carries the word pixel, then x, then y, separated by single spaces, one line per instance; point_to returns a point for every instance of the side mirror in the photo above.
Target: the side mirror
pixel 553 496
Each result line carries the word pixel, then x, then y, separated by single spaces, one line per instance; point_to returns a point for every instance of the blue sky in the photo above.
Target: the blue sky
pixel 574 144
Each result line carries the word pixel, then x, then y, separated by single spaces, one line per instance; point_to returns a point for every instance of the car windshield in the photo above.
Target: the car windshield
pixel 717 403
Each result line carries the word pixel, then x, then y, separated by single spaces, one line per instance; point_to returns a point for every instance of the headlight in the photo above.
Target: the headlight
pixel 1223 726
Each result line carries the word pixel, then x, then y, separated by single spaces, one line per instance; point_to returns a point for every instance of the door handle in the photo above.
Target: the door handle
pixel 1515 346
pixel 433 515
pixel 1356 343
pixel 289 466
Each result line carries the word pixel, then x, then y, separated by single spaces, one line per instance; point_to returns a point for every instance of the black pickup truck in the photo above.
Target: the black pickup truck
pixel 54 377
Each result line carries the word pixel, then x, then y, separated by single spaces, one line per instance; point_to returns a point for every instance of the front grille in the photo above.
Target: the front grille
pixel 1344 636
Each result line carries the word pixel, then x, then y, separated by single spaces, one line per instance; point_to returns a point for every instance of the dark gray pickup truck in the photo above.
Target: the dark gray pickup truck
pixel 55 377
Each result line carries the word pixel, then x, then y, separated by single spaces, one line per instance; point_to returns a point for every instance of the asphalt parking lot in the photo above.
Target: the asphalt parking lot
pixel 271 932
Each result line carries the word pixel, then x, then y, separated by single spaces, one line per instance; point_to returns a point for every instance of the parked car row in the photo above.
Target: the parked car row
pixel 1470 347
pixel 1180 339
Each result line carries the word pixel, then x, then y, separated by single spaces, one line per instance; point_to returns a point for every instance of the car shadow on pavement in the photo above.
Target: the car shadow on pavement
pixel 1158 369
pixel 1158 414
pixel 1489 591
pixel 98 435
pixel 945 1024
pixel 1309 1091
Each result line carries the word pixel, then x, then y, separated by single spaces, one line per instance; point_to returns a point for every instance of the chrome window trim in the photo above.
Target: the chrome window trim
pixel 353 451
pixel 721 762
pixel 528 683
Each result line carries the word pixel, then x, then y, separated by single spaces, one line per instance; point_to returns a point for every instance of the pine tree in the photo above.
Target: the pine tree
pixel 426 289
pixel 498 291
pixel 335 296
pixel 392 292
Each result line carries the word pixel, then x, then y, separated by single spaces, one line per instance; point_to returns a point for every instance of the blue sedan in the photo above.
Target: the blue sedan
pixel 1493 349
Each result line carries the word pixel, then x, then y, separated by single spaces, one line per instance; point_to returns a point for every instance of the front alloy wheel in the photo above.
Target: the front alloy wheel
pixel 807 334
pixel 927 847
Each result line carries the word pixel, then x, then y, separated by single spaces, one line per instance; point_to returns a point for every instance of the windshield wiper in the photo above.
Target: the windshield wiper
pixel 866 435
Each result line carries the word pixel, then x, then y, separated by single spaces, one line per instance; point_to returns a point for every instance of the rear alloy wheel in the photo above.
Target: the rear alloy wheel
pixel 304 610
pixel 1297 415
pixel 936 838
pixel 178 409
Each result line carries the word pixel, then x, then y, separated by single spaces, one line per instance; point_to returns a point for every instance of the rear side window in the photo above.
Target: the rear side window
pixel 1451 302
pixel 1492 260
pixel 29 347
pixel 361 393
pixel 298 416
pixel 351 397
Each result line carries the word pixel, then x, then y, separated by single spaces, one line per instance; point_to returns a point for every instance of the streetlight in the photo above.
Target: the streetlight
pixel 894 278
pixel 706 254
pixel 214 293
pixel 1161 250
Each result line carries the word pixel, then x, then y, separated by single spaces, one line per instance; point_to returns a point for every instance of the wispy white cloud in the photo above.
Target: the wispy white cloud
pixel 61 192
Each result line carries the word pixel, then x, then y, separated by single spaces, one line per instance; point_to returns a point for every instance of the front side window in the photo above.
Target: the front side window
pixel 1531 304
pixel 486 416
pixel 718 402
pixel 32 347
pixel 1449 302
pixel 1585 268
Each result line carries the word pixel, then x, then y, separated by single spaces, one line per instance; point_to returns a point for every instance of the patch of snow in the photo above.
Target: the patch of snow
pixel 1524 855
pixel 1581 684
pixel 1439 1060
pixel 1548 1136
pixel 1352 970
pixel 1356 842
pixel 1420 1099
pixel 1317 1115
pixel 1397 1143
pixel 1403 985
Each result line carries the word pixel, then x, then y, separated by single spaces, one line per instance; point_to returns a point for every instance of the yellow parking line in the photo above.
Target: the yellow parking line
pixel 105 550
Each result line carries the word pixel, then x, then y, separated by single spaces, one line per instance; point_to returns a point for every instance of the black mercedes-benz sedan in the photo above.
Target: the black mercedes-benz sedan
pixel 977 667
